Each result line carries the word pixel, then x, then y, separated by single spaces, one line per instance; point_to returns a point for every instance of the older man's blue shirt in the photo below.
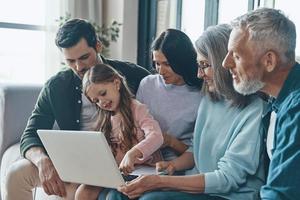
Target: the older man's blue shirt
pixel 284 172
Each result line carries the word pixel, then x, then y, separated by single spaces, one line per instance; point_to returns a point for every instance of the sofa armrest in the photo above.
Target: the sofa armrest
pixel 16 104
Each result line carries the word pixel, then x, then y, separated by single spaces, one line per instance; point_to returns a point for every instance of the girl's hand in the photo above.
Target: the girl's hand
pixel 130 158
pixel 165 168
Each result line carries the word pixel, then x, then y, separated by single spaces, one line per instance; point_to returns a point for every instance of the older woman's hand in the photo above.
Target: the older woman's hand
pixel 138 186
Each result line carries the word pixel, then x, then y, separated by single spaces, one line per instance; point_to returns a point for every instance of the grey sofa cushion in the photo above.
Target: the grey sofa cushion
pixel 16 104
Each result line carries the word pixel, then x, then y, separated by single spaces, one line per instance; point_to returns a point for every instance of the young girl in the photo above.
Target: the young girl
pixel 130 130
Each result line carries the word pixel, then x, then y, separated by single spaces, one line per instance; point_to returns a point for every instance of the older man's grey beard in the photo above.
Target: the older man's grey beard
pixel 248 87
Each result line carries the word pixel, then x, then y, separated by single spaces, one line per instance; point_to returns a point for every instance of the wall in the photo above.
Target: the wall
pixel 125 12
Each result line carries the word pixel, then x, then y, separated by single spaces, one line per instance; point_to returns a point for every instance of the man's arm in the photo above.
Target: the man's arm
pixel 41 118
pixel 49 178
pixel 35 155
pixel 60 101
pixel 33 150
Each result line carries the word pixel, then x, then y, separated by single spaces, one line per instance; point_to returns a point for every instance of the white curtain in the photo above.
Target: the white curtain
pixel 86 9
pixel 166 15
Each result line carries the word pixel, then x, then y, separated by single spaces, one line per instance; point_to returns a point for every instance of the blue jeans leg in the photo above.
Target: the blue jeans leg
pixel 113 194
pixel 175 195
pixel 160 195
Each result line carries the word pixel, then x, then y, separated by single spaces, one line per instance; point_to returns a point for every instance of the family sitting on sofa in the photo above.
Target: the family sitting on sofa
pixel 200 116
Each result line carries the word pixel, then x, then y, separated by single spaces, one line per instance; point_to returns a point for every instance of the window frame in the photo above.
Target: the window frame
pixel 147 23
pixel 31 27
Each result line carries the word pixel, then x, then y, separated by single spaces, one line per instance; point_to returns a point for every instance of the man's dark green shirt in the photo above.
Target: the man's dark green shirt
pixel 60 101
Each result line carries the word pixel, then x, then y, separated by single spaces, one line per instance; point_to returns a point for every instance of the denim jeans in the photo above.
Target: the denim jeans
pixel 162 195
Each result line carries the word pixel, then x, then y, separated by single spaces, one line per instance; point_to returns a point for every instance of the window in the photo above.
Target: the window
pixel 230 9
pixel 192 20
pixel 187 15
pixel 166 15
pixel 290 11
pixel 196 15
pixel 22 55
pixel 293 13
pixel 25 36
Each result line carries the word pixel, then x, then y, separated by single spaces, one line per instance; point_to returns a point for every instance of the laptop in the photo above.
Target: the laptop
pixel 85 157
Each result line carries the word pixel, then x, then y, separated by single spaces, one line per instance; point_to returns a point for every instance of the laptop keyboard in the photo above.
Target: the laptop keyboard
pixel 129 177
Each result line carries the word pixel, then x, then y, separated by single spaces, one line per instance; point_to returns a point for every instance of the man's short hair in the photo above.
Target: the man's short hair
pixel 73 30
pixel 271 29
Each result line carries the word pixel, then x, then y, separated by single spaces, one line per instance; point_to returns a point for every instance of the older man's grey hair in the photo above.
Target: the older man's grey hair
pixel 271 30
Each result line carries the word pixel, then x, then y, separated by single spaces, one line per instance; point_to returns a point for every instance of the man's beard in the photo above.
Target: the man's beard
pixel 248 86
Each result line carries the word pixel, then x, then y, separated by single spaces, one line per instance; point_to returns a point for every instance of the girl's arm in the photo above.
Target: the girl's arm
pixel 131 157
pixel 152 138
pixel 149 142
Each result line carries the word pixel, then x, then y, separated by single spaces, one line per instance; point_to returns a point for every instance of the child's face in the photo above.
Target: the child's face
pixel 105 95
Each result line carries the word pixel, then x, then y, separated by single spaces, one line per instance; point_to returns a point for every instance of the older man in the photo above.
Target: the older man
pixel 261 57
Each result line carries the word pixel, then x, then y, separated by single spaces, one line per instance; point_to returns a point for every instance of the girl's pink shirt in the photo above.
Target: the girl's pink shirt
pixel 149 134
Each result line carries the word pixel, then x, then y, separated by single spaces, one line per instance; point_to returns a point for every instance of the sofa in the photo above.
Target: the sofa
pixel 16 104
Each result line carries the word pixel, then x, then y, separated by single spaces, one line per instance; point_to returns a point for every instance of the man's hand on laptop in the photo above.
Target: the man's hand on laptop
pixel 130 158
pixel 49 178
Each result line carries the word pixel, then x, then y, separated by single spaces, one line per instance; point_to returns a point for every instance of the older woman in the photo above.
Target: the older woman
pixel 227 147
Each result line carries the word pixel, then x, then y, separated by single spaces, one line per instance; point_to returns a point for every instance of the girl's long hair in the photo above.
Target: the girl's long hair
pixel 102 73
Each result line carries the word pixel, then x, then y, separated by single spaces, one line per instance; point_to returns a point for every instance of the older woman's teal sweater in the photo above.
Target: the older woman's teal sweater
pixel 228 148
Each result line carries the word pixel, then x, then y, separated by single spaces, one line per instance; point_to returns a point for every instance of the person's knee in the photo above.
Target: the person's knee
pixel 16 173
pixel 81 193
pixel 87 192
pixel 70 190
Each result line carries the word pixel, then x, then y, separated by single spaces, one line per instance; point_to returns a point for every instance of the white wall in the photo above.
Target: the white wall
pixel 125 12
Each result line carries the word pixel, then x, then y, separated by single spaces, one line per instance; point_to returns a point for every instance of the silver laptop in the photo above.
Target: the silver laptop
pixel 83 157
